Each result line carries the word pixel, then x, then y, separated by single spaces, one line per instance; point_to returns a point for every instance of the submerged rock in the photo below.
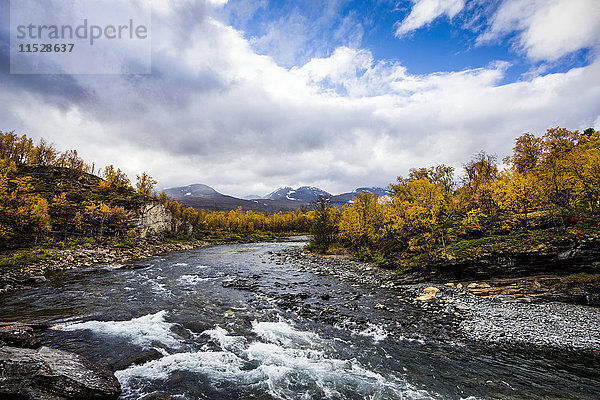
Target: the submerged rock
pixel 53 374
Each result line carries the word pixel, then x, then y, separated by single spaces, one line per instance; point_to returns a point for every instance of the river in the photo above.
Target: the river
pixel 228 322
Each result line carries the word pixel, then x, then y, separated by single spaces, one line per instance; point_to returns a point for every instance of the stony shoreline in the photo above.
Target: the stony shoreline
pixel 485 317
pixel 14 278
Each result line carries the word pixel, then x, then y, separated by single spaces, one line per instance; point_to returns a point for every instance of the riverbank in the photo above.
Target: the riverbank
pixel 21 275
pixel 478 311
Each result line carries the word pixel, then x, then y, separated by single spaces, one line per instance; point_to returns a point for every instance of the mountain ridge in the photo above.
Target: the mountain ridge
pixel 284 198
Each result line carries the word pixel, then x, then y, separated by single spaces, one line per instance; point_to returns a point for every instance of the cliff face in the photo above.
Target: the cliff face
pixel 152 218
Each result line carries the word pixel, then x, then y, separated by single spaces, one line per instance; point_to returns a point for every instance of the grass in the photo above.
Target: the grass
pixel 533 240
pixel 334 249
pixel 125 243
pixel 26 257
pixel 580 278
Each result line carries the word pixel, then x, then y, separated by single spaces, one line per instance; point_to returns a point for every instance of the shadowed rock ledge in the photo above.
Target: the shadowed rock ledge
pixel 49 374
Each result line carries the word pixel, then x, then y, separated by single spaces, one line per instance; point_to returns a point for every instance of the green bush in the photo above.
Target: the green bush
pixel 26 257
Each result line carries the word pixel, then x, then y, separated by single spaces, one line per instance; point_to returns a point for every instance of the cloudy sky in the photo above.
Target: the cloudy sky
pixel 249 95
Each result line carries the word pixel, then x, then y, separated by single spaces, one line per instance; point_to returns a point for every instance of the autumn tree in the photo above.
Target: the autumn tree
pixel 423 207
pixel 162 197
pixel 117 220
pixel 114 177
pixel 476 190
pixel 98 214
pixel 73 163
pixel 62 210
pixel 556 168
pixel 44 154
pixel 40 219
pixel 22 212
pixel 527 154
pixel 145 183
pixel 583 163
pixel 77 222
pixel 324 226
pixel 442 175
pixel 519 192
pixel 362 224
pixel 15 148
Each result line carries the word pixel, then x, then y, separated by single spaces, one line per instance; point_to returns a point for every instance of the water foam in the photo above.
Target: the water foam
pixel 285 362
pixel 377 332
pixel 145 331
pixel 193 279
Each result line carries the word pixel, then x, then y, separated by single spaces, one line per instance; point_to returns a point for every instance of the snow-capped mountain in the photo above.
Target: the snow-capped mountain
pixel 285 198
pixel 347 198
pixel 195 190
pixel 303 193
pixel 376 190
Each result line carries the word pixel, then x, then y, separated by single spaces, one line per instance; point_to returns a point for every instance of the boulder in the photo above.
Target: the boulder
pixel 53 374
pixel 431 289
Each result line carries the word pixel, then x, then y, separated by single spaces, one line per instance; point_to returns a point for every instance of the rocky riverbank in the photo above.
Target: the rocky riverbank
pixel 508 311
pixel 20 276
pixel 31 371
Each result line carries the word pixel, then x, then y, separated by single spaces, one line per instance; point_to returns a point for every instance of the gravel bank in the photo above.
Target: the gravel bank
pixel 495 320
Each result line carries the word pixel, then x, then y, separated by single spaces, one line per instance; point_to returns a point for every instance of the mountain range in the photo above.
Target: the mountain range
pixel 285 198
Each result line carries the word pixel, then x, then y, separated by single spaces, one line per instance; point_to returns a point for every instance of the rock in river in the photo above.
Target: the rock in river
pixel 53 374
pixel 18 335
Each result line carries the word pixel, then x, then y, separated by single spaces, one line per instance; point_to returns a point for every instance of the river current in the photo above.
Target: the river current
pixel 178 327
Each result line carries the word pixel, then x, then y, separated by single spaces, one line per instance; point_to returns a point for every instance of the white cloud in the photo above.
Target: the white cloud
pixel 217 3
pixel 426 11
pixel 547 29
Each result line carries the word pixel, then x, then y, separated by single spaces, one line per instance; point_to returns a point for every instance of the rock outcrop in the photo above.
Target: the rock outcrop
pixel 49 374
pixel 559 259
pixel 152 218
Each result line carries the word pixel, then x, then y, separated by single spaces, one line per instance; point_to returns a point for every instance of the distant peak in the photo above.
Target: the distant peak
pixel 303 193
pixel 195 189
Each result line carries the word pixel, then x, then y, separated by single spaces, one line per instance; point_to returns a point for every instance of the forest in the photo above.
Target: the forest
pixel 549 191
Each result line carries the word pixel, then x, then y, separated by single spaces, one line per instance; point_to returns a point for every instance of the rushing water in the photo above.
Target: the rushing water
pixel 176 327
